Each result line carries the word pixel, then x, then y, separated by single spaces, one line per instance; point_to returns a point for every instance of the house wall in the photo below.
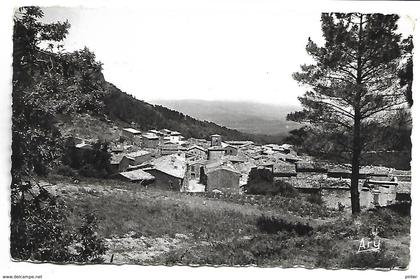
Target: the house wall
pixel 223 180
pixel 139 182
pixel 385 196
pixel 197 152
pixel 285 174
pixel 114 168
pixel 124 163
pixel 137 139
pixel 339 174
pixel 194 170
pixel 176 138
pixel 168 151
pixel 403 197
pixel 216 154
pixel 132 138
pixel 164 181
pixel 148 143
pixel 126 134
pixel 143 158
pixel 229 150
pixel 216 140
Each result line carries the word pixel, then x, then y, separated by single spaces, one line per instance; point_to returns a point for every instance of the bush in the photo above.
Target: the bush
pixel 403 209
pixel 372 259
pixel 260 182
pixel 315 198
pixel 389 223
pixel 273 225
pixel 40 232
pixel 93 162
pixel 66 171
pixel 89 170
pixel 285 189
pixel 90 247
pixel 258 250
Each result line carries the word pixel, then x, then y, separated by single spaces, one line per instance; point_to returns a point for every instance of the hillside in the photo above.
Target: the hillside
pixel 247 117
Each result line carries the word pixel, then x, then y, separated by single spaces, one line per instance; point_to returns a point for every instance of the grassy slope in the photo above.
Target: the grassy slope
pixel 150 226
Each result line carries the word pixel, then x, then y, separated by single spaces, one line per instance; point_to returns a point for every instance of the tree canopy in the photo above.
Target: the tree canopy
pixel 46 81
pixel 354 80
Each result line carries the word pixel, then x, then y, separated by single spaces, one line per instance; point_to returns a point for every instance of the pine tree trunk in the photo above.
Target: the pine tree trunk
pixel 355 164
pixel 356 148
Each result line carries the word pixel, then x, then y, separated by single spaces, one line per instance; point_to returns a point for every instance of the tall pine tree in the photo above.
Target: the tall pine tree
pixel 353 81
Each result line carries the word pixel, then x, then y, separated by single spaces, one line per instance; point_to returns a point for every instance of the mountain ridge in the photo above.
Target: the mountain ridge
pixel 131 110
pixel 245 116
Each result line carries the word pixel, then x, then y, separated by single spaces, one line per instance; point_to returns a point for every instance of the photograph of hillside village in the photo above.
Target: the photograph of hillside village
pixel 101 176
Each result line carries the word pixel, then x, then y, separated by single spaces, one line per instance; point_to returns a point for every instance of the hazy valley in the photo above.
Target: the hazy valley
pixel 247 117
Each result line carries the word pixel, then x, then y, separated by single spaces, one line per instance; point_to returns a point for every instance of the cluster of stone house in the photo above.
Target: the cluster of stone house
pixel 166 160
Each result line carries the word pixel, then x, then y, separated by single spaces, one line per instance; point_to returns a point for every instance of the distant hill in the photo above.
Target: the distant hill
pixel 247 117
pixel 120 106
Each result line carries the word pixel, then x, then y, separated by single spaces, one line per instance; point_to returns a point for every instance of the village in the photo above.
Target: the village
pixel 166 160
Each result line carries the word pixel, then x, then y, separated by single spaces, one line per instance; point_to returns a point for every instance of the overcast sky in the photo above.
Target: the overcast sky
pixel 213 53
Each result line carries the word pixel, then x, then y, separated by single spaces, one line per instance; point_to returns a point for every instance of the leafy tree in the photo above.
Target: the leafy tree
pixel 353 81
pixel 92 162
pixel 405 72
pixel 46 81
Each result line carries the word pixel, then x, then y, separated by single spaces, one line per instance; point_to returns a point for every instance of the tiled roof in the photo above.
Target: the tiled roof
pixel 138 174
pixel 150 136
pixel 299 183
pixel 84 146
pixel 233 158
pixel 131 130
pixel 374 170
pixel 137 153
pixel 286 146
pixel 196 147
pixel 116 158
pixel 216 148
pixel 339 169
pixel 284 169
pixel 226 168
pixel 171 164
pixel 400 172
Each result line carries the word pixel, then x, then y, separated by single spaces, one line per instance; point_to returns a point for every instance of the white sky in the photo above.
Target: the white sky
pixel 213 53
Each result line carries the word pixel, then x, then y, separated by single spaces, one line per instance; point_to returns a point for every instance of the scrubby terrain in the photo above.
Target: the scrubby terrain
pixel 150 226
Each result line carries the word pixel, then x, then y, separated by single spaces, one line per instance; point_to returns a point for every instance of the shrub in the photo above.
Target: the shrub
pixel 90 247
pixel 66 171
pixel 273 225
pixel 89 170
pixel 258 250
pixel 327 252
pixel 315 198
pixel 372 259
pixel 93 162
pixel 388 223
pixel 39 231
pixel 285 189
pixel 260 182
pixel 403 209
